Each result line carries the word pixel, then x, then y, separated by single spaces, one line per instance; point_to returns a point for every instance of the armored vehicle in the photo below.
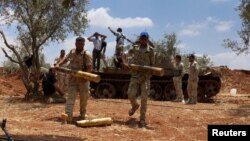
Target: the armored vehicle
pixel 114 84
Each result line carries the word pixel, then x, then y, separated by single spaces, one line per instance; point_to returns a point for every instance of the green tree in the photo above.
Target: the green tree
pixel 10 66
pixel 244 33
pixel 39 22
pixel 203 61
pixel 166 49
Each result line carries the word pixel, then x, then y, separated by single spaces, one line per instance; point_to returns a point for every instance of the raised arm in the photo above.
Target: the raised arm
pixel 90 37
pixel 63 61
pixel 102 36
pixel 112 30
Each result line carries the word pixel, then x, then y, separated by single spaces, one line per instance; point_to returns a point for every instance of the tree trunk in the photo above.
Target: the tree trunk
pixel 36 66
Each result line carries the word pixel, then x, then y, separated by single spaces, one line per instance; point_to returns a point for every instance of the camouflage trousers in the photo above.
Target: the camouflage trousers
pixel 192 89
pixel 139 85
pixel 178 86
pixel 81 88
pixel 62 81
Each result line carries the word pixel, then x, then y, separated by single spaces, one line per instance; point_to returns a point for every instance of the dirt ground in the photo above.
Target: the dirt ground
pixel 36 121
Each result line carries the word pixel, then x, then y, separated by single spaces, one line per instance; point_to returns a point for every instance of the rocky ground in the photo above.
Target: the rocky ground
pixel 38 121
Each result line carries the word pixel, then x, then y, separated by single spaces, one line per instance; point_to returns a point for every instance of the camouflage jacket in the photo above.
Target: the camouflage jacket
pixel 142 56
pixel 193 71
pixel 178 69
pixel 79 61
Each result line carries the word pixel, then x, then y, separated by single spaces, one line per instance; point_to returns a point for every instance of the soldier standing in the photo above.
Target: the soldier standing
pixel 193 79
pixel 120 37
pixel 79 60
pixel 143 55
pixel 62 77
pixel 178 73
pixel 118 59
pixel 103 50
pixel 97 49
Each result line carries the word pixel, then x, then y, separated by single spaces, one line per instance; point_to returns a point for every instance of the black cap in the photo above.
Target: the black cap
pixel 80 39
pixel 119 29
pixel 191 56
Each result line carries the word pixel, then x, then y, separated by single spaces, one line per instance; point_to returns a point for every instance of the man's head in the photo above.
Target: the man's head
pixel 80 42
pixel 62 53
pixel 144 38
pixel 191 57
pixel 177 58
pixel 96 34
pixel 119 29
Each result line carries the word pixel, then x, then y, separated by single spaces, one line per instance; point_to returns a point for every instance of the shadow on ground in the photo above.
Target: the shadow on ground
pixel 241 111
pixel 42 138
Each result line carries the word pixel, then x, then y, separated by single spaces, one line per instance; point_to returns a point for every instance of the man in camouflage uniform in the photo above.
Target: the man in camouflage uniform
pixel 193 79
pixel 143 55
pixel 62 77
pixel 79 60
pixel 177 79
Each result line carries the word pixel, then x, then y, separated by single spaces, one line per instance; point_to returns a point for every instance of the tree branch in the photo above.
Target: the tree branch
pixel 10 58
pixel 52 31
pixel 11 47
pixel 5 41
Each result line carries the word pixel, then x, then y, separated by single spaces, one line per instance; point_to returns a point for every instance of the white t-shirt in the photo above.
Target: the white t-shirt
pixel 97 43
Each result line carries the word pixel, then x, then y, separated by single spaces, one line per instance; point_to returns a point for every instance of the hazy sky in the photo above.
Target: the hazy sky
pixel 200 25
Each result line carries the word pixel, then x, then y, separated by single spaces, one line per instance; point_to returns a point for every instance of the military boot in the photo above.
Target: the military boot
pixel 81 116
pixel 133 109
pixel 194 100
pixel 67 118
pixel 178 99
pixel 142 123
pixel 191 101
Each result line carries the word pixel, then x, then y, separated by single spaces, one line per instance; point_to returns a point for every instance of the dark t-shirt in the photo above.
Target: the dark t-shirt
pixel 48 84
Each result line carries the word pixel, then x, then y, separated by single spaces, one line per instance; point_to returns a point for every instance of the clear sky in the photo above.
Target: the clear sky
pixel 200 25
